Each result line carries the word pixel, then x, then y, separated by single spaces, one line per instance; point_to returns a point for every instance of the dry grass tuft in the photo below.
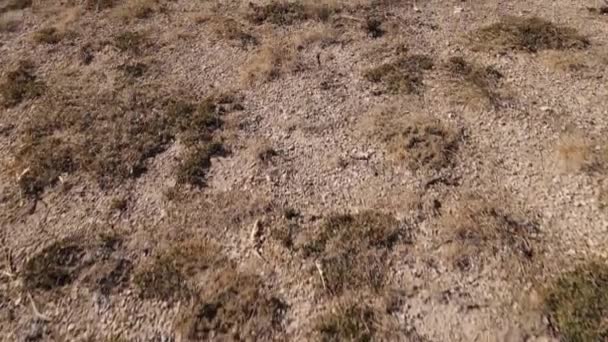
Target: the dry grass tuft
pixel 577 303
pixel 55 266
pixel 48 35
pixel 193 168
pixel 43 161
pixel 350 322
pixel 21 84
pixel 233 306
pixel 10 21
pixel 232 30
pixel 404 75
pixel 480 226
pixel 351 249
pixel 575 153
pixel 283 12
pixel 481 82
pixel 528 34
pixel 167 276
pixel 424 143
pixel 269 62
pixel 99 5
pixel 136 9
pixel 129 41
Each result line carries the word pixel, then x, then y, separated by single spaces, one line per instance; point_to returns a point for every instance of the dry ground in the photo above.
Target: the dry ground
pixel 310 170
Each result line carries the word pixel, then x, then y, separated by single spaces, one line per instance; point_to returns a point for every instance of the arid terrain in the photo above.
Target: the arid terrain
pixel 313 170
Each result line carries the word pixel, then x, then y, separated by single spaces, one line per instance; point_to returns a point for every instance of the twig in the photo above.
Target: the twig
pixel 318 265
pixel 35 309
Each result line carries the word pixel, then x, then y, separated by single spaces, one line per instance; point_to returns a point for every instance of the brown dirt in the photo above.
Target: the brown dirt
pixel 308 170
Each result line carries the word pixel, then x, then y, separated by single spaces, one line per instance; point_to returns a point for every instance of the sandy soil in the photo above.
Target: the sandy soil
pixel 495 188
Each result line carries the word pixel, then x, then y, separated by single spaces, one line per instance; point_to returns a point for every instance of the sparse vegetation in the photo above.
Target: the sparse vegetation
pixel 528 34
pixel 482 82
pixel 21 84
pixel 404 75
pixel 234 306
pixel 166 277
pixel 577 303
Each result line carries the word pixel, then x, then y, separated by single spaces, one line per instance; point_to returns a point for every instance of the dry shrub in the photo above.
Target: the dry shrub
pixel 269 62
pixel 21 83
pixel 62 262
pixel 352 249
pixel 405 75
pixel 55 266
pixel 528 34
pixel 480 227
pixel 168 276
pixel 476 84
pixel 233 306
pixel 577 303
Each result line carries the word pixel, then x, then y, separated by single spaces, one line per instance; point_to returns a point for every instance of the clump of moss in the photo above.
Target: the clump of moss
pixel 55 266
pixel 404 75
pixel 482 82
pixel 577 303
pixel 234 306
pixel 528 34
pixel 21 84
pixel 167 276
pixel 351 249
pixel 352 322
